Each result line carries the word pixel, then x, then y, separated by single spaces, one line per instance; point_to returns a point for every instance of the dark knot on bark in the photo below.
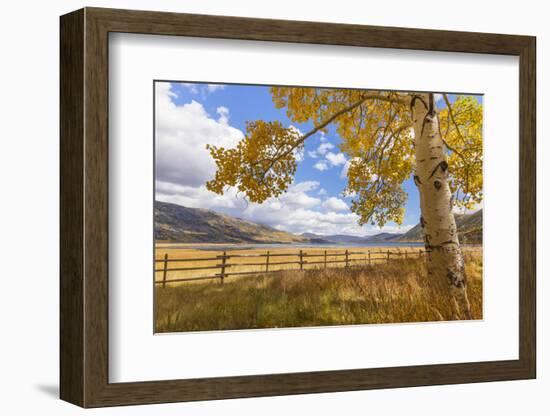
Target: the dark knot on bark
pixel 418 97
pixel 443 165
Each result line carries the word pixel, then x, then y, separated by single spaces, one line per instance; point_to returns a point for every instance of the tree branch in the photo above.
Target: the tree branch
pixel 453 117
pixel 366 97
pixel 329 120
pixel 452 149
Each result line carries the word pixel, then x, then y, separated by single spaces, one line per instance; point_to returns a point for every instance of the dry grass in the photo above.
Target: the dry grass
pixel 243 264
pixel 382 293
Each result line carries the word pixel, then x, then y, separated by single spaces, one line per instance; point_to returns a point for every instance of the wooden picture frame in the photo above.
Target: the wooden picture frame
pixel 84 207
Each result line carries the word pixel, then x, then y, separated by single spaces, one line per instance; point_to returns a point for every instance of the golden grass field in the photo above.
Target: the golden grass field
pixel 384 292
pixel 251 263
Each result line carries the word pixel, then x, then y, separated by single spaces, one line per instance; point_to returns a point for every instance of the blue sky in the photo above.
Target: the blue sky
pixel 189 115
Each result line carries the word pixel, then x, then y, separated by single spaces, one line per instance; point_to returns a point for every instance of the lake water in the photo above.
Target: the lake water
pixel 227 247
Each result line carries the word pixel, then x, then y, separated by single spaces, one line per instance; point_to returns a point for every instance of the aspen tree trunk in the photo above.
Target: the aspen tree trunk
pixel 445 261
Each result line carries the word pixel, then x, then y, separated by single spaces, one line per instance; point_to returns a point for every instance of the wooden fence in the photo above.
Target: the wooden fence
pixel 269 263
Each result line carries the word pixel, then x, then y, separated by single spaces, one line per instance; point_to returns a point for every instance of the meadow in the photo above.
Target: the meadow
pixel 195 258
pixel 397 291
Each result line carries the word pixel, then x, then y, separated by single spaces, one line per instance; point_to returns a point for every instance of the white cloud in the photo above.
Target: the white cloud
pixel 182 132
pixel 295 211
pixel 324 148
pixel 344 171
pixel 297 196
pixel 198 197
pixel 336 159
pixel 301 221
pixel 193 88
pixel 214 87
pixel 335 204
pixel 321 165
pixel 322 191
pixel 295 130
pixel 164 88
pixel 223 112
pixel 299 155
pixel 198 88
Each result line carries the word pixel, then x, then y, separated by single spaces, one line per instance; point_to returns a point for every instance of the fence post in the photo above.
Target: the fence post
pixel 325 259
pixel 347 260
pixel 301 260
pixel 419 253
pixel 388 254
pixel 222 275
pixel 267 262
pixel 405 254
pixel 369 257
pixel 165 270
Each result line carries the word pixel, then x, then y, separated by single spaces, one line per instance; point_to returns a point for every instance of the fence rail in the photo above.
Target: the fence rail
pixel 227 269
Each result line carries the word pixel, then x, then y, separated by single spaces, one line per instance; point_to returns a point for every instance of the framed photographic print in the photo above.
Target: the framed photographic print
pixel 255 207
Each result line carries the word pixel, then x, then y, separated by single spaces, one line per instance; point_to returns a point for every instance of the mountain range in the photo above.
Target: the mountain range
pixel 177 223
pixel 197 225
pixel 469 226
pixel 351 239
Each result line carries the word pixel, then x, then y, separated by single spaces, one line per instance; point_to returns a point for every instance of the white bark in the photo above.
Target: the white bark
pixel 445 262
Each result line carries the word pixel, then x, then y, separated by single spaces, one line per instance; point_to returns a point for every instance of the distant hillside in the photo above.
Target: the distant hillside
pixel 351 239
pixel 470 229
pixel 194 225
pixel 384 238
pixel 316 238
pixel 335 239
